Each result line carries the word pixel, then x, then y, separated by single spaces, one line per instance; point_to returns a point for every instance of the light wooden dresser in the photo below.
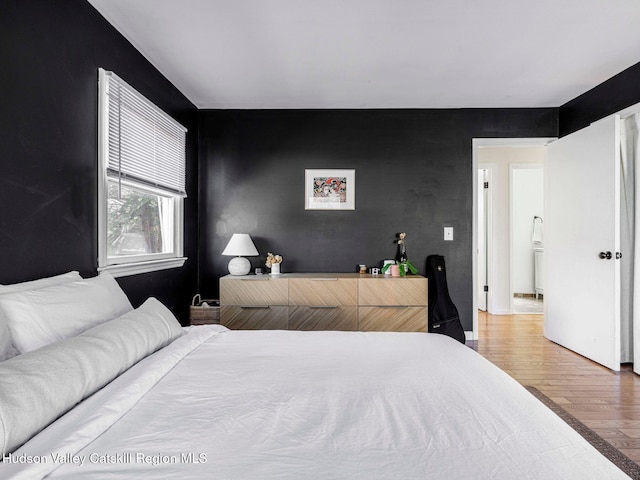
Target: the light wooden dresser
pixel 324 301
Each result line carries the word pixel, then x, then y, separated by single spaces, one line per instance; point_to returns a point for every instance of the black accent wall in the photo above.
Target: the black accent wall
pixel 50 52
pixel 611 96
pixel 413 167
pixel 413 171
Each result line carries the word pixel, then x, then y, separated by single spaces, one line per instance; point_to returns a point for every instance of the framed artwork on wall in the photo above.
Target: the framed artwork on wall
pixel 329 189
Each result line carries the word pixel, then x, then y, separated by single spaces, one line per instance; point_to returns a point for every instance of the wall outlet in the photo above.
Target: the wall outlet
pixel 448 233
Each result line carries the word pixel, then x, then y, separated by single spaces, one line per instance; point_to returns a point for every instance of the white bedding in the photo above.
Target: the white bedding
pixel 39 386
pixel 220 404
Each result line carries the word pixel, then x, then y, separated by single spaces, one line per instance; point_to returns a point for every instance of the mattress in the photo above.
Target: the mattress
pixel 228 404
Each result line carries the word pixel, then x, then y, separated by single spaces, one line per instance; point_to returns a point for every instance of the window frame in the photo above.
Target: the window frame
pixel 131 264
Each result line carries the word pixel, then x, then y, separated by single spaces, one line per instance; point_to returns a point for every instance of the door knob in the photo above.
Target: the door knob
pixel 606 255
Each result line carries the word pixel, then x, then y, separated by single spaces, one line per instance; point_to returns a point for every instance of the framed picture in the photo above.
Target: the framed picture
pixel 329 189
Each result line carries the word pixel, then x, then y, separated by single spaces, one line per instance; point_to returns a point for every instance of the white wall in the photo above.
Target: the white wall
pixel 527 193
pixel 500 160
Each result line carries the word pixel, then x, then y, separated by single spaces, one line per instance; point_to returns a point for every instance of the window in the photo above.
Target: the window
pixel 141 182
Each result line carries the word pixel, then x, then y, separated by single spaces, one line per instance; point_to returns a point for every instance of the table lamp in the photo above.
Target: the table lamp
pixel 240 246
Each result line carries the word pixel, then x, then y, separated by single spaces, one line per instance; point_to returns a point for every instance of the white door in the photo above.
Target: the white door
pixel 582 224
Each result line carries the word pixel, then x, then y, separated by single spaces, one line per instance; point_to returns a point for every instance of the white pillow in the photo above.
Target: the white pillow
pixel 40 283
pixel 7 350
pixel 41 385
pixel 39 317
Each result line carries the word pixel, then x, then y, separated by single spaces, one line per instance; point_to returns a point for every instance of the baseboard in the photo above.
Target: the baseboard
pixel 468 334
pixel 501 311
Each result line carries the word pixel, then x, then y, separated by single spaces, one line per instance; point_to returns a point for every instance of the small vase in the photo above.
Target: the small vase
pixel 275 269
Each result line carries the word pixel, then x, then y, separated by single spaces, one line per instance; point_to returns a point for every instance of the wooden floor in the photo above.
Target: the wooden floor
pixel 607 402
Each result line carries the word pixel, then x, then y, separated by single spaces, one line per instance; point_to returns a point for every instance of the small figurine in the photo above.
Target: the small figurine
pixel 401 257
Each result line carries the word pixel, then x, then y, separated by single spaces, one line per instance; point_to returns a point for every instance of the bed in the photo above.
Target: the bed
pixel 145 398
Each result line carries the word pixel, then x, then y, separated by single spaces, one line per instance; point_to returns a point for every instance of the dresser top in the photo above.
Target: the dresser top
pixel 319 275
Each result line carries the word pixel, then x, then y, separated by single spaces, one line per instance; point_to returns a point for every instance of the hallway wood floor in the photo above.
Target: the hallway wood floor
pixel 607 402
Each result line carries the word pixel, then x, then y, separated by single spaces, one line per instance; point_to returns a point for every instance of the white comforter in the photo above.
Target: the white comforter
pixel 218 404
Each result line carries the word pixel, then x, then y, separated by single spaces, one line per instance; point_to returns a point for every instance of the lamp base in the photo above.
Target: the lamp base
pixel 239 266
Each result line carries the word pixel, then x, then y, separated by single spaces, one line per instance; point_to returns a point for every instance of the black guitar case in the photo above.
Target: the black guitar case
pixel 443 314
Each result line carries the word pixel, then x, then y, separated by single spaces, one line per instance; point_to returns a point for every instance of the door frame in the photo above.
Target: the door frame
pixel 487 204
pixel 477 143
pixel 635 340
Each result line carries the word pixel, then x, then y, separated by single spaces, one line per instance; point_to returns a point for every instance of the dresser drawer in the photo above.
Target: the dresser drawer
pixel 323 291
pixel 237 317
pixel 255 291
pixel 323 318
pixel 392 319
pixel 410 290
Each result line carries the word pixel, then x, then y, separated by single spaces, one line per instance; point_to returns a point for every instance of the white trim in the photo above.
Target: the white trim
pixel 150 189
pixel 126 269
pixel 491 169
pixel 512 142
pixel 474 241
pixel 178 219
pixel 103 146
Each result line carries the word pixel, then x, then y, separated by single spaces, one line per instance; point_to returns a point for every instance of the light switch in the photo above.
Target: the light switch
pixel 448 233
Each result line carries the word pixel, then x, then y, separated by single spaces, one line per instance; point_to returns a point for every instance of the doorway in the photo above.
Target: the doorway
pixel 498 243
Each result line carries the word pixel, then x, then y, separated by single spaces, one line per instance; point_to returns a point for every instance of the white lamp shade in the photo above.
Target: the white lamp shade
pixel 240 245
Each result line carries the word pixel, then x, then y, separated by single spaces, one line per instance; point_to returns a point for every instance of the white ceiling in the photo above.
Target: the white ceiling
pixel 381 53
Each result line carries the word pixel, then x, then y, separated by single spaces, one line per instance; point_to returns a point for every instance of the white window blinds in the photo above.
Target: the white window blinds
pixel 145 144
